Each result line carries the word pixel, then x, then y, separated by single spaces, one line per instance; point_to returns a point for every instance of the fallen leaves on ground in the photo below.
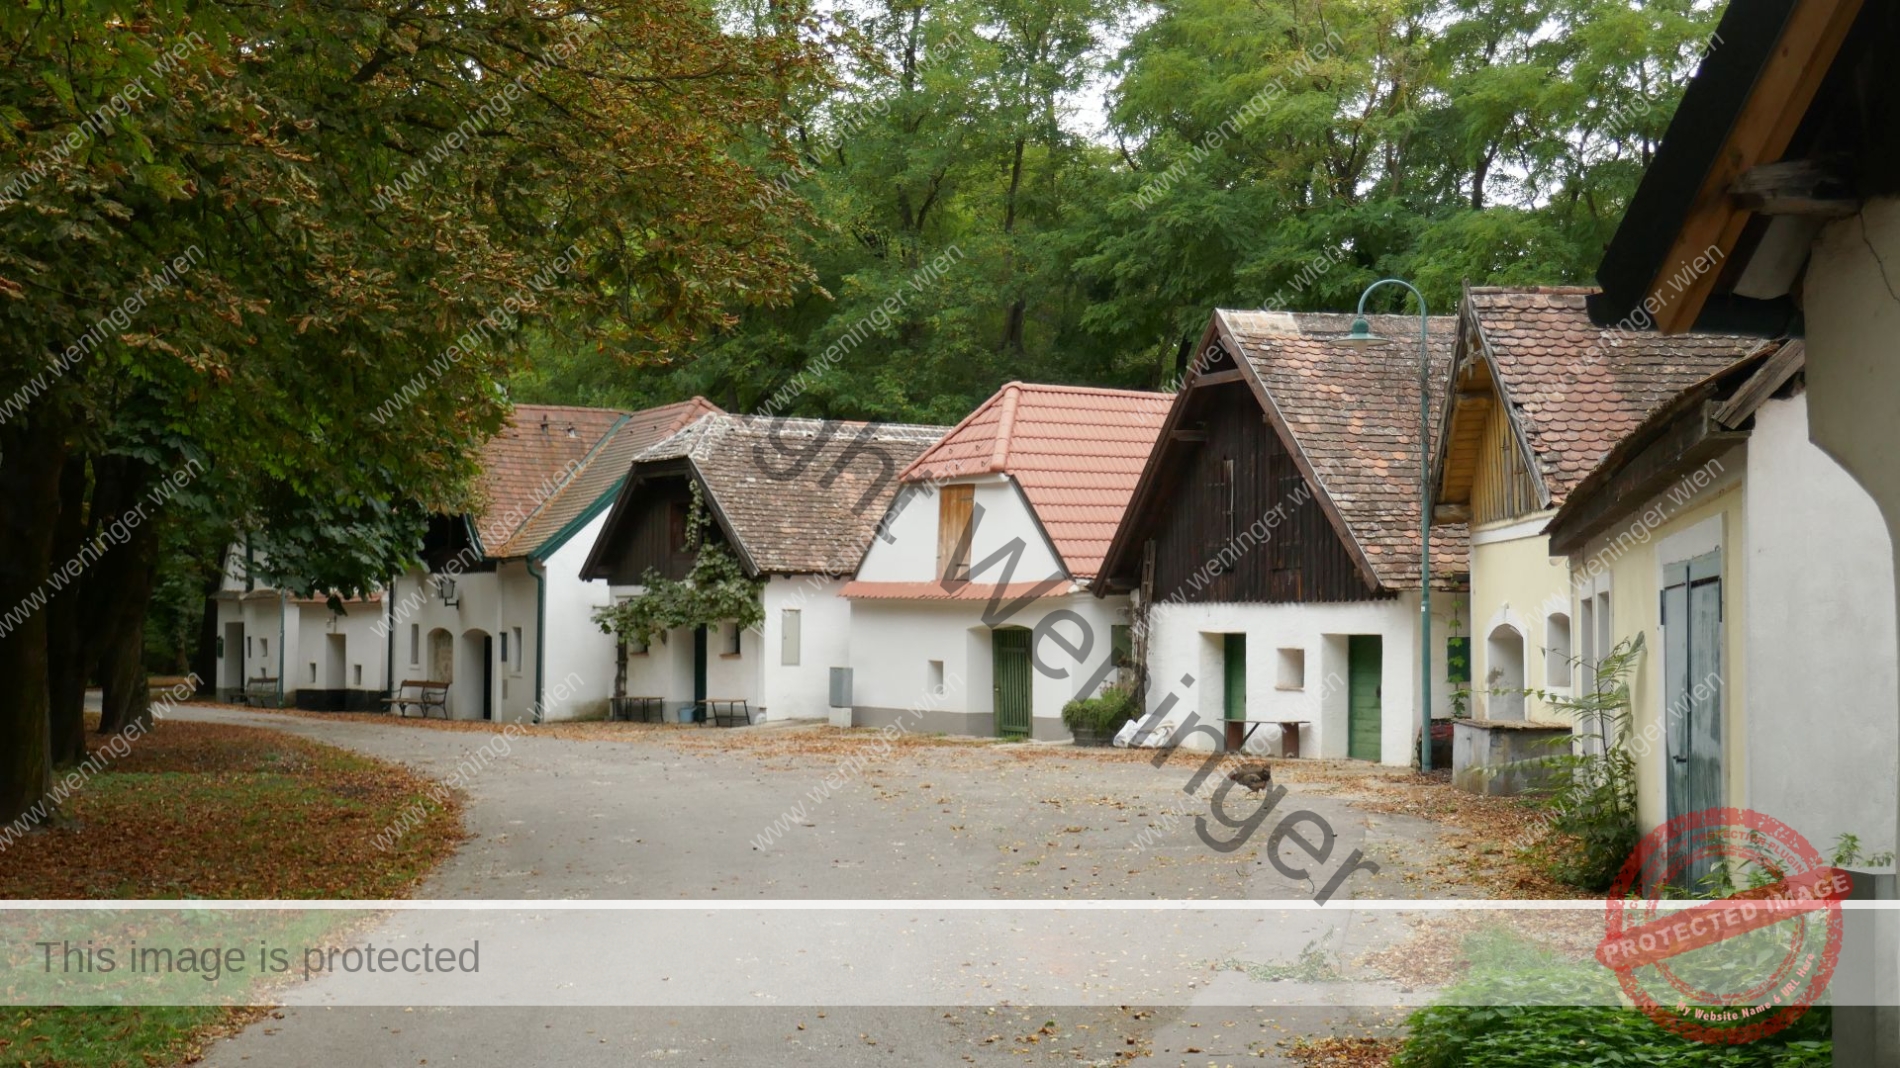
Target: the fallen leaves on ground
pixel 1335 1052
pixel 222 811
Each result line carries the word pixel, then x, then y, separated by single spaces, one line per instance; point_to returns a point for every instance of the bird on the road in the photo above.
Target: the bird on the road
pixel 1255 777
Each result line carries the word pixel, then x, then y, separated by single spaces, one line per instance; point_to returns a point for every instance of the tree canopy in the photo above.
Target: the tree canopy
pixel 1280 154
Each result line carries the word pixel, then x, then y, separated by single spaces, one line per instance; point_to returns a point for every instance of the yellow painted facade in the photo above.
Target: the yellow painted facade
pixel 1518 594
pixel 1626 561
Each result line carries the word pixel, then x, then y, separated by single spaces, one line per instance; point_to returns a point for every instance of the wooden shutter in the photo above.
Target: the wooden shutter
pixel 953 519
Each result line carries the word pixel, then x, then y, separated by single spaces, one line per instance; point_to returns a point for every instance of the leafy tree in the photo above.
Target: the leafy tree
pixel 292 250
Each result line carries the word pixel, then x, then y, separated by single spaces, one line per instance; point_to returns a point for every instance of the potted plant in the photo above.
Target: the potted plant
pixel 1094 720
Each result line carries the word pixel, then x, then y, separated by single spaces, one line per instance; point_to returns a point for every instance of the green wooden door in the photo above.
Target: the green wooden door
pixel 1234 662
pixel 1364 664
pixel 1009 648
pixel 1692 692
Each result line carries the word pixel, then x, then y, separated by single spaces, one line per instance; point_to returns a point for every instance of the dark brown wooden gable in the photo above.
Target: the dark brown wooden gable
pixel 649 533
pixel 1225 478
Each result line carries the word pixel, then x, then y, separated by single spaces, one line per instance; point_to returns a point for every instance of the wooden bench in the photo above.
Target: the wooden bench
pixel 261 692
pixel 727 711
pixel 421 694
pixel 638 709
pixel 1289 735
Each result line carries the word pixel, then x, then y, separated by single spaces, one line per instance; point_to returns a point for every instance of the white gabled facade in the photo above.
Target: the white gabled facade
pixel 781 667
pixel 926 661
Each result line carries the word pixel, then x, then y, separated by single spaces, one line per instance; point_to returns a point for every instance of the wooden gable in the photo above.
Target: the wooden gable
pixel 647 531
pixel 1483 474
pixel 1235 519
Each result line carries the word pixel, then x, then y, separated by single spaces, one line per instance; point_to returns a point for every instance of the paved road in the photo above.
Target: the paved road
pixel 671 817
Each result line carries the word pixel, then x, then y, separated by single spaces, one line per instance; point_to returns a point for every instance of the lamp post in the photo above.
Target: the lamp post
pixel 1361 339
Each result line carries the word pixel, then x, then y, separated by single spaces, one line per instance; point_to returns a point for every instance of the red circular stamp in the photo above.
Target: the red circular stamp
pixel 1730 969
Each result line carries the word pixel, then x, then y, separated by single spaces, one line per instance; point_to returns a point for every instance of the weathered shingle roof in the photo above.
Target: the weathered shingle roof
pixel 600 473
pixel 798 495
pixel 1354 415
pixel 1077 452
pixel 526 464
pixel 1576 389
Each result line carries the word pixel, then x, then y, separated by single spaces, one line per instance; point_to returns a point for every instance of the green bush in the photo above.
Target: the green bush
pixel 1561 1018
pixel 1592 812
pixel 1104 713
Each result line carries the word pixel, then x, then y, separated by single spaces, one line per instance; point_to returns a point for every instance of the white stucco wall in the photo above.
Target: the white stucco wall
pixel 893 644
pixel 1184 641
pixel 364 648
pixel 803 690
pixel 478 611
pixel 576 651
pixel 1853 378
pixel 1821 749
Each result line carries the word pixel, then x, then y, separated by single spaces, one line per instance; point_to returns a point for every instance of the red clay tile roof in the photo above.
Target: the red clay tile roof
pixel 1354 415
pixel 1576 389
pixel 603 468
pixel 936 591
pixel 1076 451
pixel 791 515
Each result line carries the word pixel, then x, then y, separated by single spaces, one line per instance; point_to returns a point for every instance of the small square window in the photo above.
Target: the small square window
pixel 731 634
pixel 521 650
pixel 504 647
pixel 933 678
pixel 1291 673
pixel 264 645
pixel 313 674
pixel 415 643
pixel 356 675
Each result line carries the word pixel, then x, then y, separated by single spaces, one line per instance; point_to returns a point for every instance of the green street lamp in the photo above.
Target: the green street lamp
pixel 1359 340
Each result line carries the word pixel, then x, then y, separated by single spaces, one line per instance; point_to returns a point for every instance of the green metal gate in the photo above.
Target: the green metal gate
pixel 1364 712
pixel 1010 663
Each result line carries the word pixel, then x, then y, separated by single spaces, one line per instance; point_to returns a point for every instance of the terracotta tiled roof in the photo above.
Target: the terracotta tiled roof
pixel 785 491
pixel 1077 453
pixel 601 471
pixel 937 591
pixel 1576 389
pixel 1354 415
pixel 540 448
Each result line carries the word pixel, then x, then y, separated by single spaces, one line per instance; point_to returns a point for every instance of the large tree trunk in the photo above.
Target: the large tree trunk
pixel 31 458
pixel 204 659
pixel 66 665
pixel 126 700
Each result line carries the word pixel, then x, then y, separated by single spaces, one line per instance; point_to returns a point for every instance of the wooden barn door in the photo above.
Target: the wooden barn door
pixel 1365 654
pixel 1010 654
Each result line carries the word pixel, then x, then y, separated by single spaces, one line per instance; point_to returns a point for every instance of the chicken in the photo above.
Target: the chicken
pixel 1255 777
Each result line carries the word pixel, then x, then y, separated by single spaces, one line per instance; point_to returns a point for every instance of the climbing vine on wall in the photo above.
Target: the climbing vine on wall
pixel 715 591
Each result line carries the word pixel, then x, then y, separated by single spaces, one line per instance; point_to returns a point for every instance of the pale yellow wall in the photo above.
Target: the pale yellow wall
pixel 1520 582
pixel 1628 552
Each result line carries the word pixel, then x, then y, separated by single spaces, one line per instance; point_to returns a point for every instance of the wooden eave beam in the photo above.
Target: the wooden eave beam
pixel 1768 120
pixel 1684 445
pixel 1812 188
